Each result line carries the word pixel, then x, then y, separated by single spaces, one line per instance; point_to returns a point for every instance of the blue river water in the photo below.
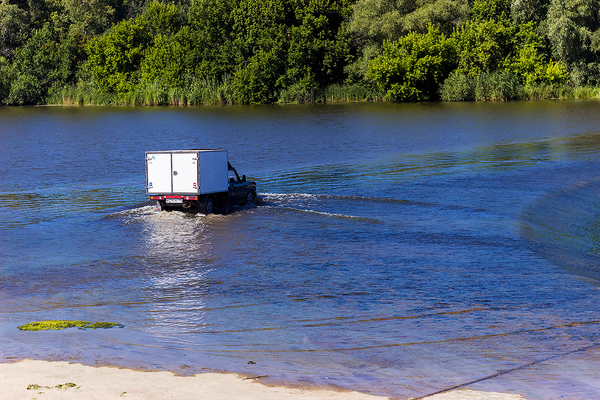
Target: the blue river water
pixel 399 249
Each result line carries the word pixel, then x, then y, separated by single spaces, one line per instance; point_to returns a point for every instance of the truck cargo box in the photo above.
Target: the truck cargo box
pixel 186 172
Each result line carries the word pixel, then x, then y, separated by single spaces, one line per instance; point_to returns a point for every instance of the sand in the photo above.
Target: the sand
pixel 105 383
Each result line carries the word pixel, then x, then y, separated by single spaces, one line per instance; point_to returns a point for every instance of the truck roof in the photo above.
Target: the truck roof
pixel 184 151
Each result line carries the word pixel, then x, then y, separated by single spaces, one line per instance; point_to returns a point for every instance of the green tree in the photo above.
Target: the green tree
pixel 483 45
pixel 319 43
pixel 529 10
pixel 90 17
pixel 484 10
pixel 211 26
pixel 574 33
pixel 528 59
pixel 14 24
pixel 256 23
pixel 374 21
pixel 34 68
pixel 390 19
pixel 168 60
pixel 533 67
pixel 115 58
pixel 411 68
pixel 43 11
pixel 256 81
pixel 260 46
pixel 6 73
pixel 288 43
pixel 571 27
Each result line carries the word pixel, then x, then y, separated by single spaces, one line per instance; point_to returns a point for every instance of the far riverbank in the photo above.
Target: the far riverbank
pixel 211 92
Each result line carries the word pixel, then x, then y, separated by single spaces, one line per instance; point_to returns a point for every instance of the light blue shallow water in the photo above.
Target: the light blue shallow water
pixel 400 249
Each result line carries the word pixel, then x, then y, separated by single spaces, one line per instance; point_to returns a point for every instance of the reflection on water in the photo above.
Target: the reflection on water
pixel 174 234
pixel 399 249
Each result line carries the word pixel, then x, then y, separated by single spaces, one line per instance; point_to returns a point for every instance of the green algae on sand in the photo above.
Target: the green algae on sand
pixel 59 324
pixel 65 386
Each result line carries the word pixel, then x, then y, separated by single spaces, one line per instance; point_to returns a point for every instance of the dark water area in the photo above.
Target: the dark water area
pixel 399 250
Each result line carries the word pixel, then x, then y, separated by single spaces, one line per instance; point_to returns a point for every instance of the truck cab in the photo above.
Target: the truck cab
pixel 237 188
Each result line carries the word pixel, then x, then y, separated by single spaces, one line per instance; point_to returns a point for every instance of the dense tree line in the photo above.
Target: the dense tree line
pixel 263 51
pixel 496 46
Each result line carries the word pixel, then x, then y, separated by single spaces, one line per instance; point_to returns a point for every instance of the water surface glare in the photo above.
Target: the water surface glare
pixel 399 249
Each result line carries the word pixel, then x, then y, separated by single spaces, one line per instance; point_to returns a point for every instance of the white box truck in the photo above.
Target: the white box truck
pixel 195 180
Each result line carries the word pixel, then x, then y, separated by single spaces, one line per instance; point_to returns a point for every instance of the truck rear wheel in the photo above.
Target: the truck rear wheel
pixel 207 206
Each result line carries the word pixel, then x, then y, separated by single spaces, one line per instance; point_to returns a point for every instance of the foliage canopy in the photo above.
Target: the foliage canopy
pixel 263 51
pixel 411 68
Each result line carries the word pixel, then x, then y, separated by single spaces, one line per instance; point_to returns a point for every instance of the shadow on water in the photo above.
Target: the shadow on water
pixel 564 226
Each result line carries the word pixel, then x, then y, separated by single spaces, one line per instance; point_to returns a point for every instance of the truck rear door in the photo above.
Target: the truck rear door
pixel 185 173
pixel 158 173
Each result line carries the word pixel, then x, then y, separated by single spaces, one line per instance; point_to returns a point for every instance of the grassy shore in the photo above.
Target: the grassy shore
pixel 204 92
pixel 503 86
pixel 212 92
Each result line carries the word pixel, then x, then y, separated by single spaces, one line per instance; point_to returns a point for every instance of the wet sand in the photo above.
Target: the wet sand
pixel 31 379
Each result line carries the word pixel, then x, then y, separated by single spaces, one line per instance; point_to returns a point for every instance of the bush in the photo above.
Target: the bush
pixel 26 89
pixel 457 87
pixel 532 67
pixel 210 92
pixel 351 93
pixel 296 93
pixel 586 92
pixel 256 82
pixel 497 86
pixel 115 58
pixel 6 73
pixel 411 68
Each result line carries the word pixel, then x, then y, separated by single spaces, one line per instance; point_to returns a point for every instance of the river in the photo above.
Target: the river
pixel 399 249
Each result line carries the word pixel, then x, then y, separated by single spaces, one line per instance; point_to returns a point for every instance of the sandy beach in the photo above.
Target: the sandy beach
pixel 31 379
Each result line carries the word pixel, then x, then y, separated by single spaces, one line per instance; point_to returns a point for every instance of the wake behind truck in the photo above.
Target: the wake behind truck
pixel 195 180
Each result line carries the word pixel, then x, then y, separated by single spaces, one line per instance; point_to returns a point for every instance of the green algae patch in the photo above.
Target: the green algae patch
pixel 103 325
pixel 34 386
pixel 58 324
pixel 52 325
pixel 64 386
